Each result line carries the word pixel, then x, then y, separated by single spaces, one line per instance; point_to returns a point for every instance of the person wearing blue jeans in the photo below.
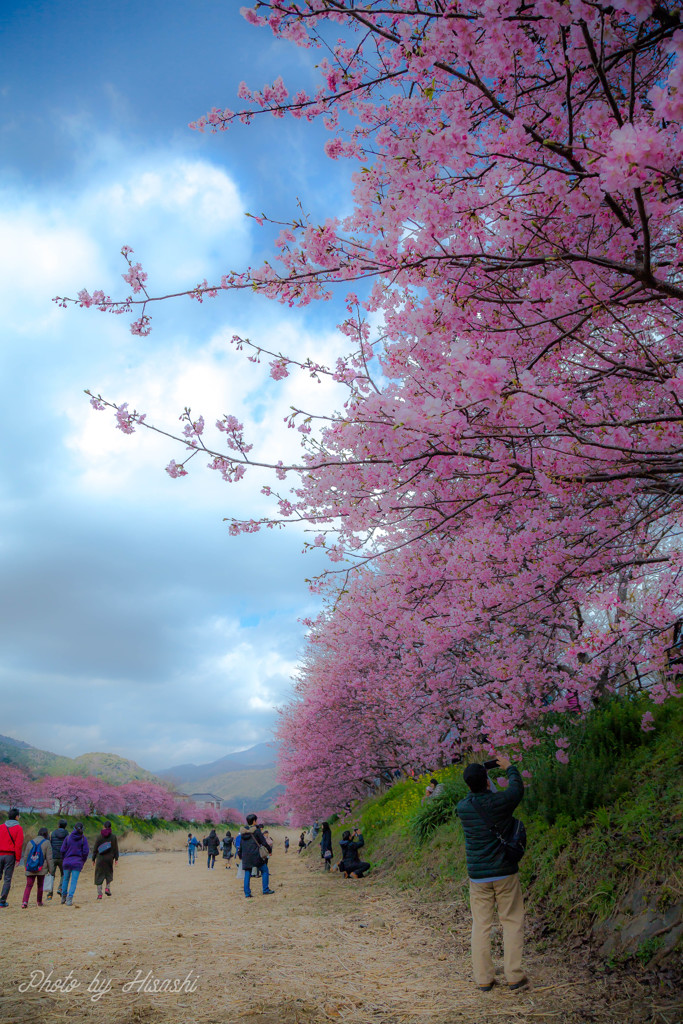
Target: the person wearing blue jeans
pixel 74 852
pixel 192 844
pixel 69 883
pixel 265 878
pixel 254 852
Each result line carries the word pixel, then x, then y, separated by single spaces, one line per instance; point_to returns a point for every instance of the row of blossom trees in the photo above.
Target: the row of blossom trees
pixel 501 496
pixel 75 794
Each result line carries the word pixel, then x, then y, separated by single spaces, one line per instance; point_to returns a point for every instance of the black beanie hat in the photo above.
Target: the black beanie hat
pixel 476 777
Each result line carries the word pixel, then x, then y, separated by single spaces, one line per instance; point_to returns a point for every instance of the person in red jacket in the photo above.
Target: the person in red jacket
pixel 11 845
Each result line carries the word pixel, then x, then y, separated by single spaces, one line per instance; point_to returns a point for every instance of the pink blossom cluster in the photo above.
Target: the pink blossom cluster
pixel 230 470
pixel 194 428
pixel 125 420
pixel 234 431
pixel 278 369
pixel 175 469
pixel 135 276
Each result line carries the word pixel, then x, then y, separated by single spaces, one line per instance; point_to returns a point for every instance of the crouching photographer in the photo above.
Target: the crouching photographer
pixel 494 844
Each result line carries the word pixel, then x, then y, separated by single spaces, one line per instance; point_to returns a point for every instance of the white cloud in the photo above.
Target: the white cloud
pixel 188 680
pixel 173 212
pixel 212 379
pixel 184 219
pixel 38 244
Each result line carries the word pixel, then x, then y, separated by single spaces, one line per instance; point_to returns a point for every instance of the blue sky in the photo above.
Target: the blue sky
pixel 133 622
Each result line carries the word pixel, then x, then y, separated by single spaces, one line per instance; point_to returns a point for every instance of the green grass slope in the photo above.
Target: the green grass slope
pixel 122 824
pixel 605 832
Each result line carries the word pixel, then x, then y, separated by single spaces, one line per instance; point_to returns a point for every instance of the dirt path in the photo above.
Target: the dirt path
pixel 321 949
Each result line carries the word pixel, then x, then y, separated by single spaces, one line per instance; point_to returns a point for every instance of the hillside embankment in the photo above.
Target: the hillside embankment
pixel 603 872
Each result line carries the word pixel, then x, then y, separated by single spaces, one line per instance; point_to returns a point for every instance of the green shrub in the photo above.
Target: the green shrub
pixel 599 771
pixel 437 811
pixel 648 948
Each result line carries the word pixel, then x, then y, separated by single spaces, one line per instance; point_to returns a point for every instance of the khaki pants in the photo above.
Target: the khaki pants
pixel 506 894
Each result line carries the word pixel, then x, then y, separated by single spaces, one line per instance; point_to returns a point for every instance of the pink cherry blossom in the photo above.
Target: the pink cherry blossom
pixel 135 276
pixel 278 369
pixel 175 469
pixel 499 491
pixel 126 421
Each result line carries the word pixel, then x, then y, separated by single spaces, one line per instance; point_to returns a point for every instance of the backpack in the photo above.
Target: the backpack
pixel 36 857
pixel 514 847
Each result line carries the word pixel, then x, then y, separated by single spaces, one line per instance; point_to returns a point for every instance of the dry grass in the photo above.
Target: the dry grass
pixel 160 842
pixel 322 949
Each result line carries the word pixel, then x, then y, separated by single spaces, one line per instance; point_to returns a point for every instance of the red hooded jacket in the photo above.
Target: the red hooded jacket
pixel 11 840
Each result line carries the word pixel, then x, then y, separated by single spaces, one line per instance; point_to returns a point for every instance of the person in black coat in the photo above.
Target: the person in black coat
pixel 227 848
pixel 212 846
pixel 326 846
pixel 57 837
pixel 254 852
pixel 351 866
pixel 105 853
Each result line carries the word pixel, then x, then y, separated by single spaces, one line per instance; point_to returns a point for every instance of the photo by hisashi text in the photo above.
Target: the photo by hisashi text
pixel 99 985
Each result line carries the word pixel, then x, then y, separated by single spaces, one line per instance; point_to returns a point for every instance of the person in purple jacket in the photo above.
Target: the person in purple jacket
pixel 75 852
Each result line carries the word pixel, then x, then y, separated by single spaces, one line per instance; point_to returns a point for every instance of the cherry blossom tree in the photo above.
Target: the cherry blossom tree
pixel 500 496
pixel 16 786
pixel 147 800
pixel 73 793
pixel 230 815
pixel 271 816
pixel 102 797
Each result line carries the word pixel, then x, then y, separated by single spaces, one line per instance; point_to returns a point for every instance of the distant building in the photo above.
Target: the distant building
pixel 39 807
pixel 206 800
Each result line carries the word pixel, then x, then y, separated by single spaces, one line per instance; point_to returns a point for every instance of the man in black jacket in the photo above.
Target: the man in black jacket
pixel 57 837
pixel 494 878
pixel 253 845
pixel 212 847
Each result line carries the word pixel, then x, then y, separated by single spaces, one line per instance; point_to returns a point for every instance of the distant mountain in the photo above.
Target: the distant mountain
pixel 247 778
pixel 110 767
pixel 14 743
pixel 244 777
pixel 263 802
pixel 34 760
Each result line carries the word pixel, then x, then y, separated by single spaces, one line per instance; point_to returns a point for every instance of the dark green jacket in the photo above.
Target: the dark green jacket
pixel 485 856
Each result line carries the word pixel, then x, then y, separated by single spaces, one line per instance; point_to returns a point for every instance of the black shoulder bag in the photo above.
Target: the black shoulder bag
pixel 514 848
